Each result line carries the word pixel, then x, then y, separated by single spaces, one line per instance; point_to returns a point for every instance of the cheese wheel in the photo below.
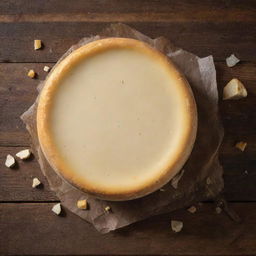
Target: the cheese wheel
pixel 116 119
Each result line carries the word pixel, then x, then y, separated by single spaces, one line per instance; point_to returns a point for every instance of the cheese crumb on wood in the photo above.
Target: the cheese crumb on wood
pixel 31 73
pixel 208 181
pixel 36 183
pixel 57 209
pixel 241 145
pixel 176 225
pixel 234 90
pixel 24 154
pixel 10 161
pixel 82 204
pixel 218 210
pixel 192 209
pixel 232 60
pixel 175 180
pixel 37 44
pixel 46 68
pixel 107 208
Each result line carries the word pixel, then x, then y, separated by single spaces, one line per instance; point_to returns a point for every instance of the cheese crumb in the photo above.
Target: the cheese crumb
pixel 107 208
pixel 234 90
pixel 241 145
pixel 192 209
pixel 57 209
pixel 208 181
pixel 232 60
pixel 176 225
pixel 31 73
pixel 175 180
pixel 46 68
pixel 82 204
pixel 24 154
pixel 218 210
pixel 10 161
pixel 36 183
pixel 37 44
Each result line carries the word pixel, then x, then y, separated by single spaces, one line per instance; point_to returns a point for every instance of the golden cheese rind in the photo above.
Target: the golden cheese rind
pixel 62 167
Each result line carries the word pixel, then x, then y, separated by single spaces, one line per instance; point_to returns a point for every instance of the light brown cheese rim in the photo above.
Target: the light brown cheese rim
pixel 47 141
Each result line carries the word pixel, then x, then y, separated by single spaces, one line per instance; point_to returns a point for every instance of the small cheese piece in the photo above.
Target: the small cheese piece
pixel 208 181
pixel 24 154
pixel 46 68
pixel 175 180
pixel 232 60
pixel 36 183
pixel 10 161
pixel 241 145
pixel 192 209
pixel 218 210
pixel 57 209
pixel 82 204
pixel 234 90
pixel 176 225
pixel 37 44
pixel 107 208
pixel 31 73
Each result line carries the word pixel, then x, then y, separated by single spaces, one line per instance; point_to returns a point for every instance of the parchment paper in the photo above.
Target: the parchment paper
pixel 201 177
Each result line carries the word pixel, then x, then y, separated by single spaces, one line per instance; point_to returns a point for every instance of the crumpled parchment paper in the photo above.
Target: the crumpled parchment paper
pixel 201 176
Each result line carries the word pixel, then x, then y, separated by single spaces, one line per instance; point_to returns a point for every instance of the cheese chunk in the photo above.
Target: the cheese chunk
pixel 232 60
pixel 107 209
pixel 24 154
pixel 218 210
pixel 31 73
pixel 234 90
pixel 82 204
pixel 116 119
pixel 241 145
pixel 10 161
pixel 46 68
pixel 176 225
pixel 57 209
pixel 192 209
pixel 36 183
pixel 37 44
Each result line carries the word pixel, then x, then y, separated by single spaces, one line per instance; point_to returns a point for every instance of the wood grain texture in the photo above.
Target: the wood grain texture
pixel 16 183
pixel 204 233
pixel 201 38
pixel 125 11
pixel 18 92
pixel 220 27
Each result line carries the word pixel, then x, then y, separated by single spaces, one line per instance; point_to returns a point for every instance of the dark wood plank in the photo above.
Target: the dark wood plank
pixel 18 92
pixel 208 27
pixel 16 183
pixel 202 38
pixel 124 11
pixel 204 233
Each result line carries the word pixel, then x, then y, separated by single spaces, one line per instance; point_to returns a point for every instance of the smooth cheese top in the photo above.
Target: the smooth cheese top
pixel 116 121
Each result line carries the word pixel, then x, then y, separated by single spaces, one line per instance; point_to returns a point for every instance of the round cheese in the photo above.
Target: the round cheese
pixel 116 119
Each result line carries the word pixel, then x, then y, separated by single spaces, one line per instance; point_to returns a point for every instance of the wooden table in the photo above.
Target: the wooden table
pixel 27 225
